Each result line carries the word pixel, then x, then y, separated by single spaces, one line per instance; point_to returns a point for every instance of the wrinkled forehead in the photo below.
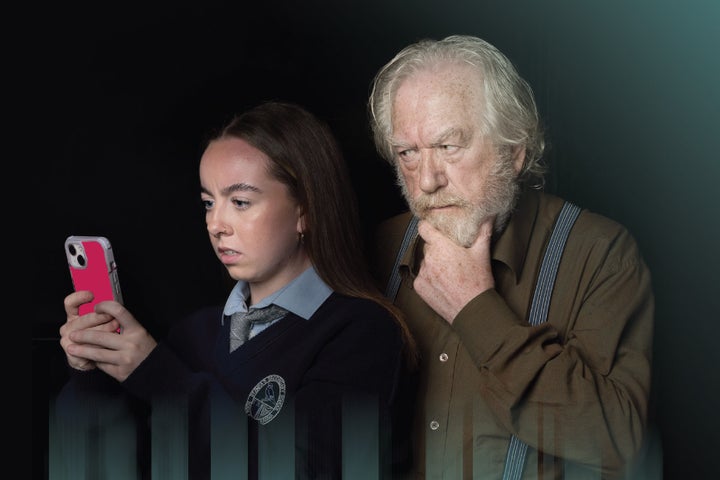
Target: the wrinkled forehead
pixel 455 77
pixel 432 101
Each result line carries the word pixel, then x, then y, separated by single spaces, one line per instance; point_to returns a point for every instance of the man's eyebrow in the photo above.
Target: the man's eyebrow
pixel 453 133
pixel 400 145
pixel 235 187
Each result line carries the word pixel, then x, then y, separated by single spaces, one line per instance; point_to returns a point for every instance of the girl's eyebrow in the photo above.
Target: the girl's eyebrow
pixel 240 187
pixel 235 187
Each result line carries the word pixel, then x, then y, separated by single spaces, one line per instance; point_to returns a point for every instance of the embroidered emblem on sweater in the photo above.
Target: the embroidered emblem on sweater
pixel 266 399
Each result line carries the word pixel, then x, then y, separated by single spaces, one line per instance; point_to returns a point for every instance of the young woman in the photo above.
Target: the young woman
pixel 283 221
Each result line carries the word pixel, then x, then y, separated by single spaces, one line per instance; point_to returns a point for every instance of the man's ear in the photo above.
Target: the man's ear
pixel 518 158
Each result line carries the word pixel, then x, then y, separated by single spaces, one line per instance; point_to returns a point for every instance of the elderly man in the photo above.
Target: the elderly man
pixel 501 394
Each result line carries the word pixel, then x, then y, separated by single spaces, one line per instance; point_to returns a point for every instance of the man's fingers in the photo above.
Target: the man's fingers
pixel 427 231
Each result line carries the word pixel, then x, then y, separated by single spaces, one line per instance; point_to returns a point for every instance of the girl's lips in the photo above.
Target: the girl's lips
pixel 228 256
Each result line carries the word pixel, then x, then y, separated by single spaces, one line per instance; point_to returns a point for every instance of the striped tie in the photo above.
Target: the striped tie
pixel 241 322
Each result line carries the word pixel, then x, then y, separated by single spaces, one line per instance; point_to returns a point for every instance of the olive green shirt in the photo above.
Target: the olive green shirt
pixel 574 388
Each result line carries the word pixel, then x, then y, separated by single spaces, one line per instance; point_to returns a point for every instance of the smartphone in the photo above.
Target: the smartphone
pixel 92 267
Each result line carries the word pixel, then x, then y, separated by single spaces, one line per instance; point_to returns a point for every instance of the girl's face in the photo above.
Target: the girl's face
pixel 253 222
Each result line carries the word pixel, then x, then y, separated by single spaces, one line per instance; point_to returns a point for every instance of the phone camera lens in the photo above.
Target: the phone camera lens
pixel 81 260
pixel 71 249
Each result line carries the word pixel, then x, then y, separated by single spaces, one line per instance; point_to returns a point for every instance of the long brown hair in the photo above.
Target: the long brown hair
pixel 305 156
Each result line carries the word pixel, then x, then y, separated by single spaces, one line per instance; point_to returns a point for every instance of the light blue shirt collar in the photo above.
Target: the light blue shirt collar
pixel 302 296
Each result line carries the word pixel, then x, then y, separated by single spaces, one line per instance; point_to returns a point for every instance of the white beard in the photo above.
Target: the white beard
pixel 462 223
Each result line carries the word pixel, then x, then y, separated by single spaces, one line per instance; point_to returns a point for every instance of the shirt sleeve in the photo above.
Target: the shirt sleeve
pixel 576 386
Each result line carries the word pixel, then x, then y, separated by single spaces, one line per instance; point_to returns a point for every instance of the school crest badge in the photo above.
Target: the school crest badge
pixel 266 399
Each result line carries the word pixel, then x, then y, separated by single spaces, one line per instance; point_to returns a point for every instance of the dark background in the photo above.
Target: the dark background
pixel 121 95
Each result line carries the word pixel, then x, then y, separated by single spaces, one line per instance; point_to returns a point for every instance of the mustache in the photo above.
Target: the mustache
pixel 438 200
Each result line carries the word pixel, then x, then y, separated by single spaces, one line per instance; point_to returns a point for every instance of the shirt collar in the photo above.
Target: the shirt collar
pixel 510 248
pixel 302 296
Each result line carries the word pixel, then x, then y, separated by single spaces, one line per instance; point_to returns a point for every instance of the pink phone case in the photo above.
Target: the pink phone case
pixel 92 267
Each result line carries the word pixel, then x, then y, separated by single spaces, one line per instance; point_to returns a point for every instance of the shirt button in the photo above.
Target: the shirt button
pixel 434 425
pixel 443 357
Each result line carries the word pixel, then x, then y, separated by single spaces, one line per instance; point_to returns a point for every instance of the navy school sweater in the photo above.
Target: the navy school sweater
pixel 294 398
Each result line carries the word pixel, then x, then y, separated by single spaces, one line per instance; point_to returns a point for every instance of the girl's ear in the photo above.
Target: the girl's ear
pixel 300 221
pixel 301 229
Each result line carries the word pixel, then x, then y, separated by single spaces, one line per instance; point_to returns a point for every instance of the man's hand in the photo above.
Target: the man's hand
pixel 450 275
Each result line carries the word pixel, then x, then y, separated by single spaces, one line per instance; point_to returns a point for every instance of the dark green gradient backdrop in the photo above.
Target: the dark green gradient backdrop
pixel 122 95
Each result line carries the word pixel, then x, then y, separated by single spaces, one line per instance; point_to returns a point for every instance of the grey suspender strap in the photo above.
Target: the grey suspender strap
pixel 515 460
pixel 394 282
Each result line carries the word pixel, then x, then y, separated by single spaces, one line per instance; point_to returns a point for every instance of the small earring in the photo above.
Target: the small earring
pixel 302 238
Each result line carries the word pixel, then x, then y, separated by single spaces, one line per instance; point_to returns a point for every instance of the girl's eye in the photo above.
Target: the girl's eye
pixel 242 204
pixel 207 204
